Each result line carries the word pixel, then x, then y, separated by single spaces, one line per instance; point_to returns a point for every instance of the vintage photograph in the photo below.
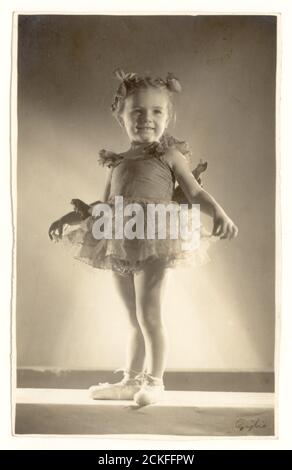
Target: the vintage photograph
pixel 144 205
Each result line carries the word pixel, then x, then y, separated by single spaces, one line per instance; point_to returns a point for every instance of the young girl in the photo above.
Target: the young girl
pixel 145 174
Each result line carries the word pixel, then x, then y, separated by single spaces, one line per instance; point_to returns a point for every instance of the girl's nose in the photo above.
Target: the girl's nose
pixel 147 116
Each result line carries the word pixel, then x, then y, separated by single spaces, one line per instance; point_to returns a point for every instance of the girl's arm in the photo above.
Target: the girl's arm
pixel 195 194
pixel 84 209
pixel 107 189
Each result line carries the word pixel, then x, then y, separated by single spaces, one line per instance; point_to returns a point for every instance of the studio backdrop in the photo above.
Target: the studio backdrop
pixel 68 315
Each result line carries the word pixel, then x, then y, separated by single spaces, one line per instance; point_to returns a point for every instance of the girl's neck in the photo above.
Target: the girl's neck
pixel 135 144
pixel 140 145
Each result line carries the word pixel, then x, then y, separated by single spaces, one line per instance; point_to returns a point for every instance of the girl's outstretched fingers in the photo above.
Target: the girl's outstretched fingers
pixel 234 231
pixel 224 227
pixel 56 230
pixel 230 232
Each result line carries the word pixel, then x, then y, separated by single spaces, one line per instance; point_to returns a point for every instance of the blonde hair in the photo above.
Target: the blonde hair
pixel 131 82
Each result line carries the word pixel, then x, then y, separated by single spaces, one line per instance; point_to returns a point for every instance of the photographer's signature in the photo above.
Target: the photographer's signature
pixel 249 424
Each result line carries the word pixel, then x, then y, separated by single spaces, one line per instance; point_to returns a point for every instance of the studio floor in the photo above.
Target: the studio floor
pixel 57 411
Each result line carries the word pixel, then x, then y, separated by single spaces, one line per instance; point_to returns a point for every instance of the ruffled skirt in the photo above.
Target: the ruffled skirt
pixel 128 245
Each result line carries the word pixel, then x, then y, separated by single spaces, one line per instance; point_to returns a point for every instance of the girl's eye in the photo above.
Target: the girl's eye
pixel 139 111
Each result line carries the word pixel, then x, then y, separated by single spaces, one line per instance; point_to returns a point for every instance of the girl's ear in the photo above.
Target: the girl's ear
pixel 168 120
pixel 171 118
pixel 120 121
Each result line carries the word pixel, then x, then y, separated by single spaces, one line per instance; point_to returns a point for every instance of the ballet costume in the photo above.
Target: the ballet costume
pixel 145 178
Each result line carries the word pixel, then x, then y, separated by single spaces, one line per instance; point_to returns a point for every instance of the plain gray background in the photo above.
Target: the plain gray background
pixel 218 317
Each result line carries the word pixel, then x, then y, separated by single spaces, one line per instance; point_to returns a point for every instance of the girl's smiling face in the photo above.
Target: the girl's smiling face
pixel 145 115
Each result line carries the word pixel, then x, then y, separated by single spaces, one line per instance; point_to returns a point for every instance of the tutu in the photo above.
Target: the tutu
pixel 134 238
pixel 130 255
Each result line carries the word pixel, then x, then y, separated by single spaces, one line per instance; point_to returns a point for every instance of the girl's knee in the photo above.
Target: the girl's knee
pixel 134 324
pixel 150 319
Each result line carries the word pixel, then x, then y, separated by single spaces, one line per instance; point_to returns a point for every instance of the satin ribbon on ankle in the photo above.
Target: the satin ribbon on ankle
pixel 127 371
pixel 142 375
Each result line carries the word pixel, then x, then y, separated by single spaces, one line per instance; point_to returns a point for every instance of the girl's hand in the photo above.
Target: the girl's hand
pixel 57 227
pixel 223 226
pixel 56 230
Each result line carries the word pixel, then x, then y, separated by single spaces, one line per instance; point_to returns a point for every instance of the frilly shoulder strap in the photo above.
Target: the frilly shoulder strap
pixel 168 141
pixel 157 149
pixel 108 158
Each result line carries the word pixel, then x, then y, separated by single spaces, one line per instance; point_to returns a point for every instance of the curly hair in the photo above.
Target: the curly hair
pixel 130 82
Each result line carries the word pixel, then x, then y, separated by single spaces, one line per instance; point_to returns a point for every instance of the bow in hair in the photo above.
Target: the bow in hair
pixel 171 82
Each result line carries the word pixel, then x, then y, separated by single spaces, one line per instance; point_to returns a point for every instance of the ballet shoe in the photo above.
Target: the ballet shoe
pixel 151 391
pixel 123 390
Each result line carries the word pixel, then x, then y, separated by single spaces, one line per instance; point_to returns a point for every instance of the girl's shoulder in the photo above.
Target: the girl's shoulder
pixel 109 158
pixel 169 146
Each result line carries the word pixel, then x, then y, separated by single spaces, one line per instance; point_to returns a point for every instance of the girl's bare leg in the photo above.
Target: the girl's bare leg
pixel 135 356
pixel 149 288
